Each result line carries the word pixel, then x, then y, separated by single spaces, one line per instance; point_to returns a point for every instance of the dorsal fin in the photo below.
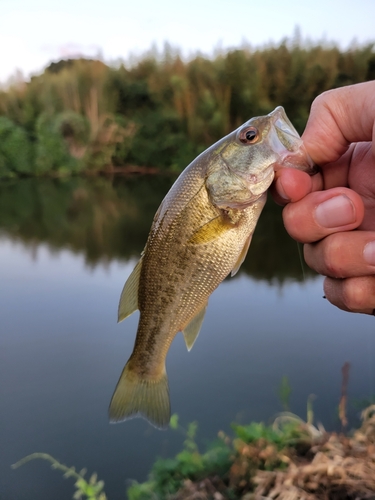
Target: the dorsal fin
pixel 192 329
pixel 129 296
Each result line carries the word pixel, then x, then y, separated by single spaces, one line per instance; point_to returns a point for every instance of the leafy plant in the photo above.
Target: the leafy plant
pixel 91 489
pixel 15 150
pixel 52 151
pixel 168 475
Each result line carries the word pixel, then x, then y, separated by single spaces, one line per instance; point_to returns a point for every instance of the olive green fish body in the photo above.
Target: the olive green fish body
pixel 200 233
pixel 182 265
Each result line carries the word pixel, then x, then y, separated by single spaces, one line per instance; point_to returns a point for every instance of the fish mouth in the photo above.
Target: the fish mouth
pixel 287 143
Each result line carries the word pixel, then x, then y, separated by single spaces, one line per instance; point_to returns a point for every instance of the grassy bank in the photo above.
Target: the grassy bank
pixel 289 460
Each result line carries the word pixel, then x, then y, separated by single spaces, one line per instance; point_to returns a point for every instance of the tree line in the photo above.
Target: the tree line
pixel 83 116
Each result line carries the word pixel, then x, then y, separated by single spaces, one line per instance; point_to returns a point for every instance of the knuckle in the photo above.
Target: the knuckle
pixel 354 294
pixel 326 257
pixel 330 97
pixel 322 100
pixel 332 256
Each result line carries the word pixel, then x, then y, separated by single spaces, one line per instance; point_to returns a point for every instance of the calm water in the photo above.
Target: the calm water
pixel 66 249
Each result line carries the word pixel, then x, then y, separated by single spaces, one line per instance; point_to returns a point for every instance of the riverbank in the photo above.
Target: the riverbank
pixel 291 460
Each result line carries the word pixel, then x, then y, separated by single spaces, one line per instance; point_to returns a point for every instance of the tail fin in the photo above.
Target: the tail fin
pixel 135 396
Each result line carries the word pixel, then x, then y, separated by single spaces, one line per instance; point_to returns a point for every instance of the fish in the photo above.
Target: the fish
pixel 200 234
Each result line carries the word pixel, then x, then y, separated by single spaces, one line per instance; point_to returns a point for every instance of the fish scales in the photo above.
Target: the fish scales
pixel 193 271
pixel 200 233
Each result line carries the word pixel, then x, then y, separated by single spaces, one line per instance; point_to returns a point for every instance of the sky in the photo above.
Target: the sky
pixel 35 32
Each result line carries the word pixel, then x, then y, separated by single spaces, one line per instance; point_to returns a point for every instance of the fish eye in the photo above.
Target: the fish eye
pixel 249 135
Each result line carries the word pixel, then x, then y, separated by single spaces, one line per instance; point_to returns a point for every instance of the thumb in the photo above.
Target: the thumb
pixel 338 118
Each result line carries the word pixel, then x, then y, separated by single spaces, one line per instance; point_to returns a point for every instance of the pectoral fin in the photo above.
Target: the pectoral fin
pixel 193 328
pixel 210 231
pixel 242 256
pixel 129 296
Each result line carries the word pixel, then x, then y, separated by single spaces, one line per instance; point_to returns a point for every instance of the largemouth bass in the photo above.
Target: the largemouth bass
pixel 200 233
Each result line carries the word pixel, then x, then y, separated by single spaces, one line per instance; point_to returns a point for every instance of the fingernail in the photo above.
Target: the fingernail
pixel 335 212
pixel 369 253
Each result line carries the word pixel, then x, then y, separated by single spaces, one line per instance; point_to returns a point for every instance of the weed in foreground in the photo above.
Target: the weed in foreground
pixel 90 490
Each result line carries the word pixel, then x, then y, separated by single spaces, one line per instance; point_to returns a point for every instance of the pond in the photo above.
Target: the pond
pixel 66 249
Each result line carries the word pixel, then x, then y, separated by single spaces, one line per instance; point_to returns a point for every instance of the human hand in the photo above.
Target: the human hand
pixel 333 212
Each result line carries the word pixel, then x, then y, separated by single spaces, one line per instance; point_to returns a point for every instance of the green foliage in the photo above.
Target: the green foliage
pixel 257 445
pixel 160 141
pixel 235 469
pixel 162 111
pixel 142 491
pixel 189 443
pixel 287 429
pixel 15 149
pixel 173 422
pixel 167 475
pixel 232 462
pixel 52 151
pixel 289 434
pixel 73 126
pixel 91 489
pixel 361 404
pixel 255 431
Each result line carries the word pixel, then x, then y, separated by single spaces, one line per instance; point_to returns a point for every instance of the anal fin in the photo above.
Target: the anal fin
pixel 129 296
pixel 191 331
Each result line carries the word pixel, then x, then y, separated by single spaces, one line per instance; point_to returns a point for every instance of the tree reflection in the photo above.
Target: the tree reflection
pixel 109 219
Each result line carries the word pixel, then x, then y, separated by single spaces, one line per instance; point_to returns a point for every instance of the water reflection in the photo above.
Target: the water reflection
pixel 105 219
pixel 66 249
pixel 99 218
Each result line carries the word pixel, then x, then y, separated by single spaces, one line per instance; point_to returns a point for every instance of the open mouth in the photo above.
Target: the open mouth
pixel 286 134
pixel 286 142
